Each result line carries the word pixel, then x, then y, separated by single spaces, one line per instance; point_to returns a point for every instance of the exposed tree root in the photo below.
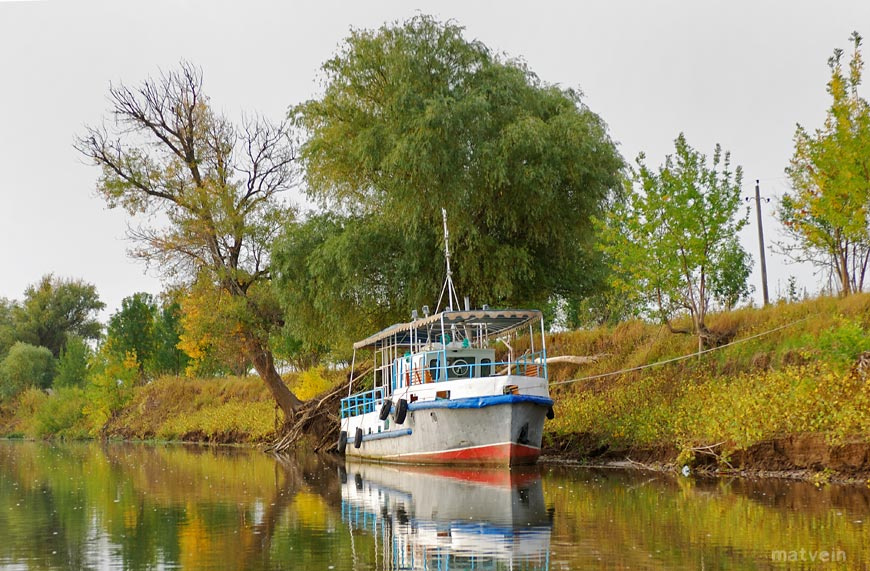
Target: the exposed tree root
pixel 316 423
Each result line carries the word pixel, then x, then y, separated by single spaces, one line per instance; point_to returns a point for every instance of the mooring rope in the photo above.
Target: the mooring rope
pixel 682 357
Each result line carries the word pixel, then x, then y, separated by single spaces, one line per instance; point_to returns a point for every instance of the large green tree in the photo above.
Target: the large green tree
pixel 131 329
pixel 674 241
pixel 55 308
pixel 826 213
pixel 167 357
pixel 149 333
pixel 210 193
pixel 415 118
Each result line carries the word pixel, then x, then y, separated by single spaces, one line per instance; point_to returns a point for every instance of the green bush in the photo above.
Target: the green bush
pixel 61 415
pixel 25 406
pixel 110 387
pixel 25 366
pixel 72 366
pixel 843 342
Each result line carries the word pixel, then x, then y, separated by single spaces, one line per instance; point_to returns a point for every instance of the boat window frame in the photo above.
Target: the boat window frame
pixel 485 367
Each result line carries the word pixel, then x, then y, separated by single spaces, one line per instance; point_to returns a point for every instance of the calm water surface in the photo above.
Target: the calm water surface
pixel 120 506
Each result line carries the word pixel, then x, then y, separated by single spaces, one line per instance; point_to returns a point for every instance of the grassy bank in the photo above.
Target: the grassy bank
pixel 227 410
pixel 801 380
pixel 788 375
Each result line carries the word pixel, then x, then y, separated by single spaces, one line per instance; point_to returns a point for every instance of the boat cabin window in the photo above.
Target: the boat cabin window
pixel 485 367
pixel 459 367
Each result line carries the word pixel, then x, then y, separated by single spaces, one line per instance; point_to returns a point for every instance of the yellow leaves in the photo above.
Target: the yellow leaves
pixel 310 510
pixel 194 540
pixel 197 349
pixel 310 383
pixel 255 421
pixel 193 346
pixel 213 329
pixel 131 361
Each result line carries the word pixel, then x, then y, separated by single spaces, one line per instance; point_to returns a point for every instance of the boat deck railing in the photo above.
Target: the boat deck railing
pixel 361 403
pixel 528 365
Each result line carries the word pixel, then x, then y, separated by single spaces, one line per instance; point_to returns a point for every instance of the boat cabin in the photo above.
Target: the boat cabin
pixel 450 347
pixel 437 364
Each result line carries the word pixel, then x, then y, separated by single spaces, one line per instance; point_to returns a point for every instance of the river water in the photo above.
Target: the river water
pixel 137 506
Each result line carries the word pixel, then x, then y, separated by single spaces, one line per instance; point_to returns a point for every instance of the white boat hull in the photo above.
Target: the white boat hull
pixel 488 430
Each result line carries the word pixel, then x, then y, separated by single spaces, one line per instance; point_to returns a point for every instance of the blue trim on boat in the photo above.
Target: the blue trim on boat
pixel 488 528
pixel 387 434
pixel 480 402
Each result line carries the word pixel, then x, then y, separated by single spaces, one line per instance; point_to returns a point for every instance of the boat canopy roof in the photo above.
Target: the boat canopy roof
pixel 496 322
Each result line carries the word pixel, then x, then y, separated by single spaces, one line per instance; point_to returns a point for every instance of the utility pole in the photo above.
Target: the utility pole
pixel 761 244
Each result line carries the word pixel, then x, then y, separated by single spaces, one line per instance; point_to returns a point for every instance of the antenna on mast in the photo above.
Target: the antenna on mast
pixel 448 282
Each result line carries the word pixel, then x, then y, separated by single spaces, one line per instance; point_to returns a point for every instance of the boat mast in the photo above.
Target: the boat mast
pixel 448 282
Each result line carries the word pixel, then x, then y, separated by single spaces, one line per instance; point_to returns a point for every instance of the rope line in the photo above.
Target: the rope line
pixel 681 358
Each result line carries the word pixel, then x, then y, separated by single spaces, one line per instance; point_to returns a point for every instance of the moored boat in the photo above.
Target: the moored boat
pixel 437 394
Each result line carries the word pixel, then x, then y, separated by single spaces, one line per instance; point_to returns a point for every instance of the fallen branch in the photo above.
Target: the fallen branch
pixel 710 450
pixel 572 359
pixel 637 464
pixel 317 420
pixel 576 359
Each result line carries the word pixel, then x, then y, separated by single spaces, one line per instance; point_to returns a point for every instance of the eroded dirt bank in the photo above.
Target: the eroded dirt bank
pixel 807 457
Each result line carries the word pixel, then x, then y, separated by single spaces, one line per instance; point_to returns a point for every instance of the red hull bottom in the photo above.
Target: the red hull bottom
pixel 505 454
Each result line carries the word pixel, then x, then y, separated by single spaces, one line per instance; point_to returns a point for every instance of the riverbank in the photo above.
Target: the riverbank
pixel 805 457
pixel 234 410
pixel 789 394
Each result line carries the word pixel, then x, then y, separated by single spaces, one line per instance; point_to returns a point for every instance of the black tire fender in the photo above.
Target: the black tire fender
pixel 401 411
pixel 342 442
pixel 551 414
pixel 357 439
pixel 385 409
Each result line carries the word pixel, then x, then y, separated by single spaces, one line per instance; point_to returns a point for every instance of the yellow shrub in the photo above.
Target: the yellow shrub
pixel 311 383
pixel 237 421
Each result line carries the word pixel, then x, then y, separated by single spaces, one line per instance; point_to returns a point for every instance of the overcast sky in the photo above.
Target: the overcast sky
pixel 738 73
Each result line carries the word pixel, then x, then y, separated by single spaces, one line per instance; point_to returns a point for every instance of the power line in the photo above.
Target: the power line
pixel 683 357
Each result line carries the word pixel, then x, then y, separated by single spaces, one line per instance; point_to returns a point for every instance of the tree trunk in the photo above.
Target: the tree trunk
pixel 843 268
pixel 264 364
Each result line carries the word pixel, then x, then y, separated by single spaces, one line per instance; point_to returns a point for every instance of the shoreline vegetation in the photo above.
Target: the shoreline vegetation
pixel 794 402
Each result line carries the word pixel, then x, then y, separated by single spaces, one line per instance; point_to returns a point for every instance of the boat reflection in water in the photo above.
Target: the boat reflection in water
pixel 450 518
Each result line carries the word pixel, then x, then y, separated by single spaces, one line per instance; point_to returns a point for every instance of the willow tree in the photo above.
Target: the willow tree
pixel 209 192
pixel 827 213
pixel 415 118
